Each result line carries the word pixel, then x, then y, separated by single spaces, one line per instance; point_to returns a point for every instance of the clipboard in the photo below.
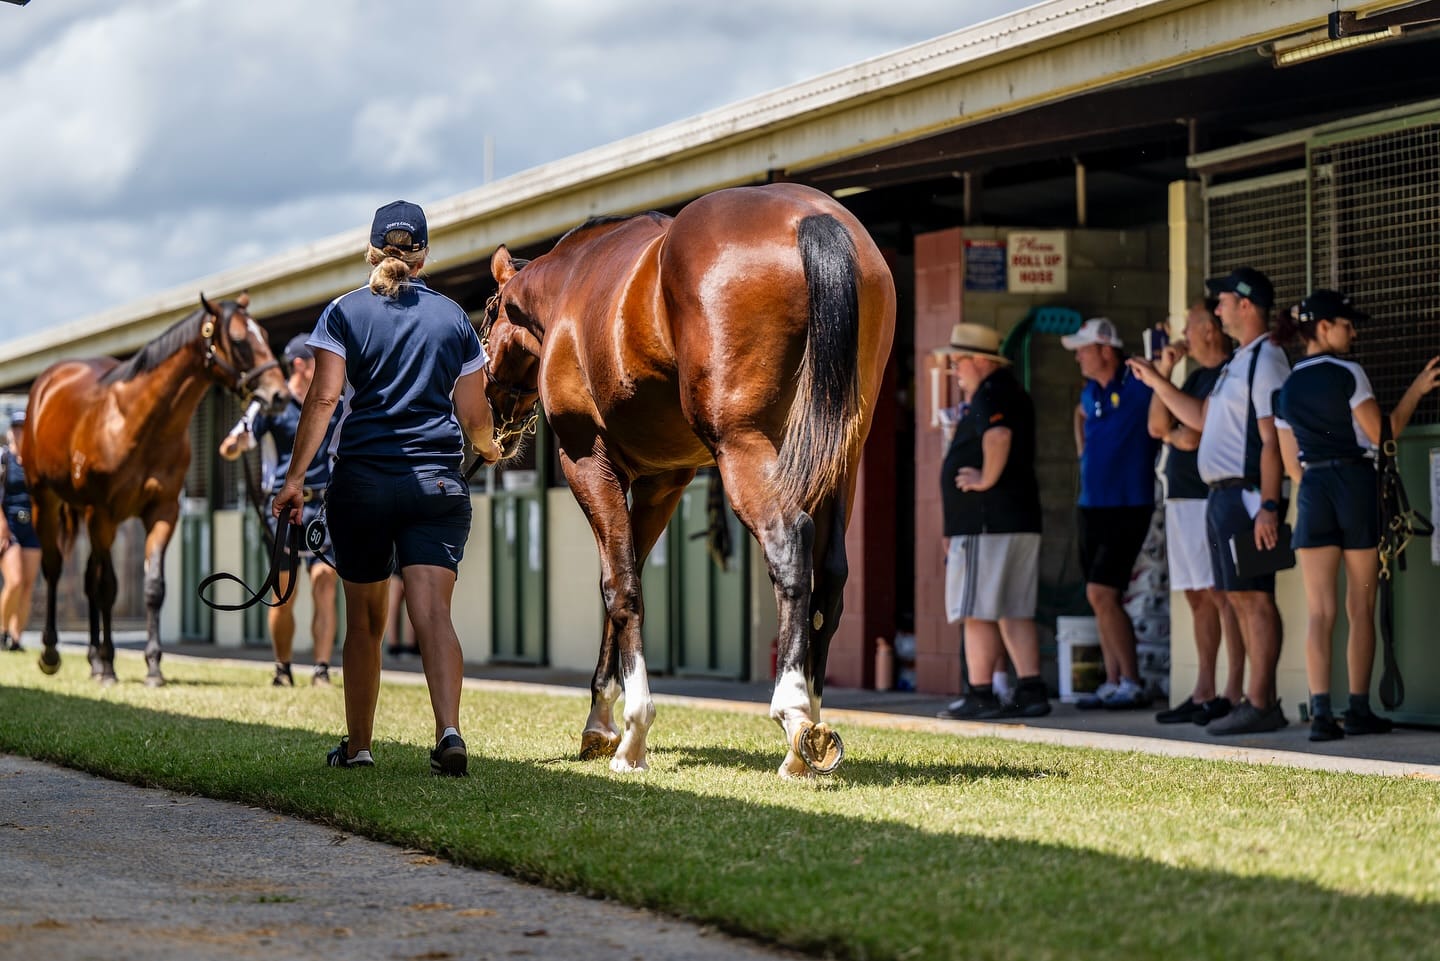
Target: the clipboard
pixel 1251 561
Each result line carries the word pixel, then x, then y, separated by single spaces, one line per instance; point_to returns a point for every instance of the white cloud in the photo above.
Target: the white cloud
pixel 150 144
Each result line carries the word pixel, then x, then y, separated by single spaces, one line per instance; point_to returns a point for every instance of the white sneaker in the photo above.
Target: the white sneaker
pixel 1089 702
pixel 1127 696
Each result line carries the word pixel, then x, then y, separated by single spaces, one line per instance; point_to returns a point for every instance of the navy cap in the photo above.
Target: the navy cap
pixel 17 417
pixel 400 215
pixel 1328 305
pixel 1246 282
pixel 297 347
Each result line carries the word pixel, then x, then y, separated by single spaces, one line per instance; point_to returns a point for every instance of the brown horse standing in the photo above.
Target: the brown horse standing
pixel 750 331
pixel 105 441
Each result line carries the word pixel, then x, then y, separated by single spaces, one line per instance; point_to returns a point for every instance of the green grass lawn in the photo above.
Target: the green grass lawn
pixel 922 846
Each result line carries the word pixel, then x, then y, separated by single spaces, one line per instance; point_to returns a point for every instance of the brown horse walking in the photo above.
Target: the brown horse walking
pixel 749 331
pixel 106 441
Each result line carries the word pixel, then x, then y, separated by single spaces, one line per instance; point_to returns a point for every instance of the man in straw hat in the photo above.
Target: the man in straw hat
pixel 991 502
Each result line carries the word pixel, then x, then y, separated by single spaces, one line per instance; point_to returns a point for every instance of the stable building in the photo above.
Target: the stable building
pixel 1074 159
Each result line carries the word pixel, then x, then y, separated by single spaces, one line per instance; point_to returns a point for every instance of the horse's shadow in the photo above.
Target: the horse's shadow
pixel 855 771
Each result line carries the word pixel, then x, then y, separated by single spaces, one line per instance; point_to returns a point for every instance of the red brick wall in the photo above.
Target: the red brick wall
pixel 938 288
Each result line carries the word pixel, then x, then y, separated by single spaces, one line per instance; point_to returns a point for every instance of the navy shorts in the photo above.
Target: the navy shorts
pixel 1110 540
pixel 383 522
pixel 22 527
pixel 1226 517
pixel 1338 506
pixel 308 513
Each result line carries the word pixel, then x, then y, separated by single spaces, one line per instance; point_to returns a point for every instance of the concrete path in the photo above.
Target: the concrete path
pixel 94 869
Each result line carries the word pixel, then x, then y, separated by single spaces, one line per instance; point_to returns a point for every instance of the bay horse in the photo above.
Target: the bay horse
pixel 749 331
pixel 106 441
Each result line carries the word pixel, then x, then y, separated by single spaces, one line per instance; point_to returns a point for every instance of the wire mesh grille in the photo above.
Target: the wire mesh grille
pixel 1380 223
pixel 1261 225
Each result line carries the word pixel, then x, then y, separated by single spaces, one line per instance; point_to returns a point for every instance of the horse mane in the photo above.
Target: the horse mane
pixel 158 350
pixel 609 220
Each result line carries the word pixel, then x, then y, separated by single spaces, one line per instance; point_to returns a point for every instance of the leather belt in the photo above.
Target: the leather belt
pixel 1338 462
pixel 1231 483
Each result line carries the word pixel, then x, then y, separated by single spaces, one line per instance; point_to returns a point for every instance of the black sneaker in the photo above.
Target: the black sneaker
pixel 1246 718
pixel 1213 710
pixel 1030 701
pixel 1324 728
pixel 1356 724
pixel 449 757
pixel 340 756
pixel 1181 713
pixel 973 707
pixel 283 677
pixel 320 677
pixel 8 643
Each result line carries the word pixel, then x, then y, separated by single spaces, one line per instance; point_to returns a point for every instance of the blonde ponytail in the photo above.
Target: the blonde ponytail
pixel 393 265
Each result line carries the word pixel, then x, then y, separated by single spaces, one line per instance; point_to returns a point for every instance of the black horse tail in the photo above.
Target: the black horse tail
pixel 825 414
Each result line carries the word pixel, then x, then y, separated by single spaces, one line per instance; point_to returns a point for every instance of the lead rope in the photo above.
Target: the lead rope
pixel 286 536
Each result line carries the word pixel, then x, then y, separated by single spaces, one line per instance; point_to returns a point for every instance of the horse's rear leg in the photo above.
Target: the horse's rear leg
pixel 52 562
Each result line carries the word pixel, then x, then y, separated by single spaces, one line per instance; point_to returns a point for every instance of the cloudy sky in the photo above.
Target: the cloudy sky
pixel 149 144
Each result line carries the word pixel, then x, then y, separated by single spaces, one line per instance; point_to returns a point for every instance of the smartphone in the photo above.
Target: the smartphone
pixel 1155 340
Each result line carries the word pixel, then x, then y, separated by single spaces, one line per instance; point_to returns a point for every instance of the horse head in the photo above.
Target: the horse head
pixel 238 355
pixel 513 368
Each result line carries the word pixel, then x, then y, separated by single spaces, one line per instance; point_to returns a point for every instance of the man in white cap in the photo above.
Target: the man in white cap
pixel 991 501
pixel 1117 500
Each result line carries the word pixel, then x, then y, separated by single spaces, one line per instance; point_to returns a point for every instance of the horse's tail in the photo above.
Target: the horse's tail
pixel 825 413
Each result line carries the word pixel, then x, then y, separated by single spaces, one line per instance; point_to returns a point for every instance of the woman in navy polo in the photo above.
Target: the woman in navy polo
pixel 19 544
pixel 412 372
pixel 1329 423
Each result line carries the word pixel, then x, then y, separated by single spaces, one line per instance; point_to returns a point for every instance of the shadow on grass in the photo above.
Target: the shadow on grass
pixel 828 883
pixel 854 772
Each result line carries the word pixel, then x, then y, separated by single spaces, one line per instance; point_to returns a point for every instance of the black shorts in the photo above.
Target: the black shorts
pixel 1110 540
pixel 1225 517
pixel 1338 506
pixel 383 522
pixel 22 527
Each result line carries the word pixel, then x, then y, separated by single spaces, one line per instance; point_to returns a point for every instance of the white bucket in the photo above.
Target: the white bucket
pixel 1080 667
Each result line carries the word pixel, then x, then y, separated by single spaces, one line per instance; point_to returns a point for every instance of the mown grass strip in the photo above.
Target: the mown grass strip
pixel 923 846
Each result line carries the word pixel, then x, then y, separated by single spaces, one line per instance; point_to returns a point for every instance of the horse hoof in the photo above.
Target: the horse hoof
pixel 49 661
pixel 154 680
pixel 106 680
pixel 819 747
pixel 595 744
pixel 622 766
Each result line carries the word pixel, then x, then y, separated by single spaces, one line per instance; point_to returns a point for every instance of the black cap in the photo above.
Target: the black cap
pixel 17 417
pixel 400 215
pixel 1328 305
pixel 1246 282
pixel 297 347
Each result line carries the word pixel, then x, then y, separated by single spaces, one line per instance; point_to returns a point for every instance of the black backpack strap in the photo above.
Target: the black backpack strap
pixel 287 535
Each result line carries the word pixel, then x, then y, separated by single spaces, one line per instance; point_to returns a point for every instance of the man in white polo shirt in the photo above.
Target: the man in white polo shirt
pixel 1239 459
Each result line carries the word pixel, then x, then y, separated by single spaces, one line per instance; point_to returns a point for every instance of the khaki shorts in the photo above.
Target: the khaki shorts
pixel 992 576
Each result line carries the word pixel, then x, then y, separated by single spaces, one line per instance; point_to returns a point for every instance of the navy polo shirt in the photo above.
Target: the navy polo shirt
pixel 403 356
pixel 1117 468
pixel 1316 401
pixel 15 495
pixel 281 428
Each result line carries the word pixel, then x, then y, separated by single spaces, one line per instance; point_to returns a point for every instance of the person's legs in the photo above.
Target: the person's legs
pixel 11 567
pixel 1260 624
pixel 1318 567
pixel 282 621
pixel 364 625
pixel 1234 639
pixel 1205 615
pixel 322 621
pixel 1023 644
pixel 1117 634
pixel 429 590
pixel 1362 569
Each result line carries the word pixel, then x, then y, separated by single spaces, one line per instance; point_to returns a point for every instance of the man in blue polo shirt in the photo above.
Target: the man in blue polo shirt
pixel 1117 500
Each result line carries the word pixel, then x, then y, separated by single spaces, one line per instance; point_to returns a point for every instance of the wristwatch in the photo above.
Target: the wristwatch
pixel 1272 506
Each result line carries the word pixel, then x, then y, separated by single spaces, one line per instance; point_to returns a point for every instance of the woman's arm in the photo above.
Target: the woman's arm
pixel 315 414
pixel 473 410
pixel 1423 384
pixel 1290 453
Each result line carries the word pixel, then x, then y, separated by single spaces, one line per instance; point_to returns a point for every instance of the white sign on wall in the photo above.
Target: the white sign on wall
pixel 1036 261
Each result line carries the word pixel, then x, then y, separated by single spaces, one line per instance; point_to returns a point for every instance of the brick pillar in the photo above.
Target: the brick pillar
pixel 938 292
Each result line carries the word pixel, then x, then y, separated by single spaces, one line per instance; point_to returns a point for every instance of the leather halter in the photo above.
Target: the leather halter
pixel 242 382
pixel 504 433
